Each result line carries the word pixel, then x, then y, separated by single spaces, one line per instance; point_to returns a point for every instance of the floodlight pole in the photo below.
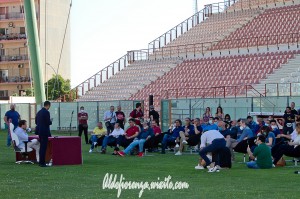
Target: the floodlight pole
pixel 34 50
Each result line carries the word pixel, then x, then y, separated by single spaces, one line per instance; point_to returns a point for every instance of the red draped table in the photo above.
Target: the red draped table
pixel 63 150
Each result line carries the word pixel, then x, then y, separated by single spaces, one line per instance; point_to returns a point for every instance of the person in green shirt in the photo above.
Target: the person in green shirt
pixel 262 153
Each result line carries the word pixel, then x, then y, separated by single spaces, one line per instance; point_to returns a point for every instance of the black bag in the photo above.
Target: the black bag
pixel 224 157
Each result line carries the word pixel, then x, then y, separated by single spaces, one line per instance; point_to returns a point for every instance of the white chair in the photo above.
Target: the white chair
pixel 24 152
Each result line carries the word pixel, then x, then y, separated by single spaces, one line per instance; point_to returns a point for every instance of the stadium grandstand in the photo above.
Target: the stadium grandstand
pixel 228 49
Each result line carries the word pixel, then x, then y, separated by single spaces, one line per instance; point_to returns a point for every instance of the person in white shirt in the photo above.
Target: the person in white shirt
pixel 291 149
pixel 20 131
pixel 114 138
pixel 211 141
pixel 110 119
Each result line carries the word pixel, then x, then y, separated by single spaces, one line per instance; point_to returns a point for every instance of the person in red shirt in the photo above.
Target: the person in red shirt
pixel 137 114
pixel 152 144
pixel 130 133
pixel 82 124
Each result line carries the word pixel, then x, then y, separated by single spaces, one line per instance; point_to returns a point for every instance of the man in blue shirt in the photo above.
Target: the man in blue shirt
pixel 240 144
pixel 11 116
pixel 189 131
pixel 252 125
pixel 172 135
pixel 274 127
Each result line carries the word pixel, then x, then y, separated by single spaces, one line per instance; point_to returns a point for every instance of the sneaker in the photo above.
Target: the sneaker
pixel 91 150
pixel 199 167
pixel 141 154
pixel 177 146
pixel 184 142
pixel 103 151
pixel 121 153
pixel 163 152
pixel 214 169
pixel 273 165
pixel 178 153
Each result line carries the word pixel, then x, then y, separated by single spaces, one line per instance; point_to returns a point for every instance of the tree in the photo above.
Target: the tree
pixel 56 87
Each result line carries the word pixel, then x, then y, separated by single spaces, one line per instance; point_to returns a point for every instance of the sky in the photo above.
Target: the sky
pixel 102 31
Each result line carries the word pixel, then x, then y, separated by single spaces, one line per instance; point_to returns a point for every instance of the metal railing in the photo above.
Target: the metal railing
pixel 282 89
pixel 192 50
pixel 189 23
pixel 15 79
pixel 7 58
pixel 12 15
pixel 13 36
pixel 212 92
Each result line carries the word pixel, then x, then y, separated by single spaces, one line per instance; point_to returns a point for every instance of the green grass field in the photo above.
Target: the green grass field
pixel 85 181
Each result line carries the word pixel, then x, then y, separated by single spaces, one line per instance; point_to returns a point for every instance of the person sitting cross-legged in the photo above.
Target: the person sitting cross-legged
pixel 172 135
pixel 191 136
pixel 262 153
pixel 145 134
pixel 130 133
pixel 113 138
pixel 97 136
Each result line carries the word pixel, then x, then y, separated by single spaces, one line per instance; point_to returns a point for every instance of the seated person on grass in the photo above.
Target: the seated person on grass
pixel 211 125
pixel 172 136
pixel 291 149
pixel 191 136
pixel 145 134
pixel 97 136
pixel 240 145
pixel 152 144
pixel 270 137
pixel 262 154
pixel 131 133
pixel 112 139
pixel 274 127
pixel 234 129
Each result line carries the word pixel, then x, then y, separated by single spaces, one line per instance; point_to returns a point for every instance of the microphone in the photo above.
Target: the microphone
pixel 297 172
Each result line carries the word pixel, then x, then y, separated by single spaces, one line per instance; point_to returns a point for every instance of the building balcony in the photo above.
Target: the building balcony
pixel 13 58
pixel 15 79
pixel 12 37
pixel 12 16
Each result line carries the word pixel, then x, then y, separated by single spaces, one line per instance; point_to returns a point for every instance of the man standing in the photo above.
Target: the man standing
pixel 14 116
pixel 137 114
pixel 262 153
pixel 83 125
pixel 110 119
pixel 289 119
pixel 153 114
pixel 120 117
pixel 43 122
pixel 23 136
